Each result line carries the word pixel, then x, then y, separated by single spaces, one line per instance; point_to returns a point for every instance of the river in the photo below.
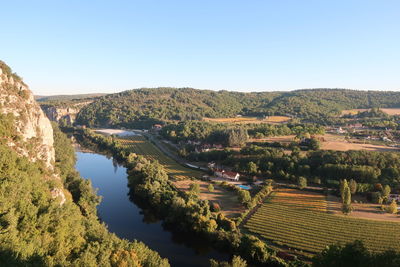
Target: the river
pixel 127 220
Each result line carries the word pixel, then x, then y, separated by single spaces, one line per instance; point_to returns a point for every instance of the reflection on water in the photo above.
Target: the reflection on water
pixel 126 219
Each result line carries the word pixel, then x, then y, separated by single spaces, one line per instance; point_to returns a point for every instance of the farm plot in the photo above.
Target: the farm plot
pixel 247 120
pixel 141 146
pixel 300 224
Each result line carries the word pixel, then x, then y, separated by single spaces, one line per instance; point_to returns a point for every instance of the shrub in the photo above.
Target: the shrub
pixel 210 188
pixel 215 207
pixel 392 207
pixel 194 188
pixel 302 182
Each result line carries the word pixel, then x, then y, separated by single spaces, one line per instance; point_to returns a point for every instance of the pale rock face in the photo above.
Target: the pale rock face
pixel 31 123
pixel 68 114
pixel 57 193
pixel 56 114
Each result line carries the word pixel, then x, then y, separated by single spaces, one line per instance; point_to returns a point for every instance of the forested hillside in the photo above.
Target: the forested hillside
pixel 144 107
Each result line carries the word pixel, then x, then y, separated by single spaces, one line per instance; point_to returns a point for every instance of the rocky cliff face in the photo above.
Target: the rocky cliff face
pixel 33 130
pixel 31 124
pixel 67 113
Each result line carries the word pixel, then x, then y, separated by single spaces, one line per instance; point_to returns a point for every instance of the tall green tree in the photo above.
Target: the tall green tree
pixel 386 191
pixel 346 200
pixel 343 185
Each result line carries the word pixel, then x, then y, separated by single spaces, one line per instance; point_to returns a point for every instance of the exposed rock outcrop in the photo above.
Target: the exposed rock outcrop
pixel 32 128
pixel 31 124
pixel 67 114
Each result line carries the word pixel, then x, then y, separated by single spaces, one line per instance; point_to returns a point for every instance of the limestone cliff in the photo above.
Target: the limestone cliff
pixel 65 112
pixel 33 130
pixel 31 124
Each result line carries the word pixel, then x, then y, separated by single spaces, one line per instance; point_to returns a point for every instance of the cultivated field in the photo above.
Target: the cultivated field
pixel 296 219
pixel 141 146
pixel 246 120
pixel 332 142
pixel 390 111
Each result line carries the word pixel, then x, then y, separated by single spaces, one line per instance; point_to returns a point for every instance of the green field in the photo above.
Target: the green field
pixel 303 227
pixel 141 146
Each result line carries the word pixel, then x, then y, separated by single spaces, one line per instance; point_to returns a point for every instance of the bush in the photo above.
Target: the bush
pixel 392 207
pixel 194 189
pixel 210 188
pixel 302 182
pixel 215 207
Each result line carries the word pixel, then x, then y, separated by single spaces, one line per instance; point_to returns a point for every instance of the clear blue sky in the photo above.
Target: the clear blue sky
pixel 109 46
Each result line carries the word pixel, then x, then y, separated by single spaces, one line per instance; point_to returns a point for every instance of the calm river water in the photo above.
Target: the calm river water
pixel 127 220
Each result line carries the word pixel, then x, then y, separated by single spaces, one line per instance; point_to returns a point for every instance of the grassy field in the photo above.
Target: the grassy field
pixel 298 220
pixel 227 200
pixel 246 120
pixel 141 146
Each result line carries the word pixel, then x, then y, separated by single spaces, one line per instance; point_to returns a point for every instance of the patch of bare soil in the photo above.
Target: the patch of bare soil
pixel 361 210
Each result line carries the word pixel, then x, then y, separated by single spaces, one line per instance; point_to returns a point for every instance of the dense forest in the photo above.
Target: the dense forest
pixel 140 108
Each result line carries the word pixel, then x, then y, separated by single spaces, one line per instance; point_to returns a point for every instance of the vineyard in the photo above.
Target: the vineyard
pixel 300 223
pixel 141 146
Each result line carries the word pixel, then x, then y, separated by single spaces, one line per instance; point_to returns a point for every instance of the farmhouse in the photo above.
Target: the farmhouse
pixel 234 176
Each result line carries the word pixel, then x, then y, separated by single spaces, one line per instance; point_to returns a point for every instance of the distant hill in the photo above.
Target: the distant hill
pixel 40 98
pixel 143 107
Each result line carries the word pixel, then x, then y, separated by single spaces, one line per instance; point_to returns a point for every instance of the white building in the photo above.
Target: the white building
pixel 234 176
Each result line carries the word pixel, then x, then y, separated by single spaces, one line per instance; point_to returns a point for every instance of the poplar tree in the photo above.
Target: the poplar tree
pixel 346 200
pixel 343 185
pixel 353 186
